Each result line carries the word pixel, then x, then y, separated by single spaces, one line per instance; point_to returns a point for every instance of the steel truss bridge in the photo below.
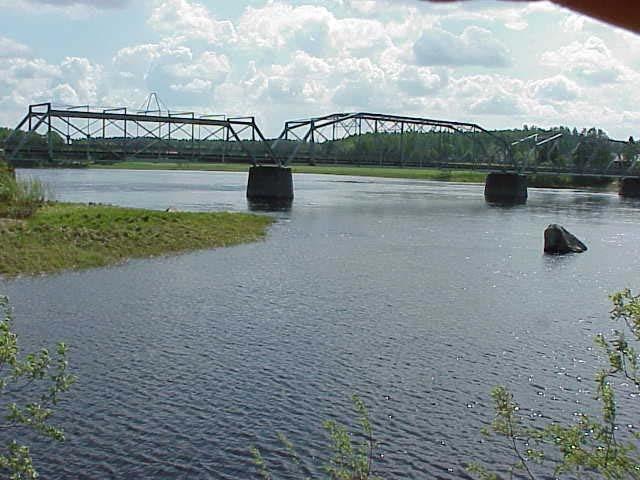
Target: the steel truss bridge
pixel 390 140
pixel 50 135
pixel 111 135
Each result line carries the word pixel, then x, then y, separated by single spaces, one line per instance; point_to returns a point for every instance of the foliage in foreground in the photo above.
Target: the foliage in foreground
pixel 66 236
pixel 42 377
pixel 349 460
pixel 19 198
pixel 592 447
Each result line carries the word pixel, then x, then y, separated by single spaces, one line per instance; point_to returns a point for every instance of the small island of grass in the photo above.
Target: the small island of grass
pixel 69 236
pixel 42 237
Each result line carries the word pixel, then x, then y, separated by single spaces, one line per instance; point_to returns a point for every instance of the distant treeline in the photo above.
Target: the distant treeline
pixel 578 150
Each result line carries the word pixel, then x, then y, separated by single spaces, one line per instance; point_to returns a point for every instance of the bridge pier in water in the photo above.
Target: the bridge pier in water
pixel 501 187
pixel 629 187
pixel 270 184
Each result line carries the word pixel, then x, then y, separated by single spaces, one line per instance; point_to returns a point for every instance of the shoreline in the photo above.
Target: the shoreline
pixel 70 236
pixel 455 176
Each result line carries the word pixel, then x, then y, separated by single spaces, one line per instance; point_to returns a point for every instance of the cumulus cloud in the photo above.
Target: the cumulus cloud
pixel 10 48
pixel 183 18
pixel 27 80
pixel 557 88
pixel 591 61
pixel 277 25
pixel 498 104
pixel 474 47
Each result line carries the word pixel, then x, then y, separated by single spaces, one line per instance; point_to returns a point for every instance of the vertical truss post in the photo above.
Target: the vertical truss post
pixel 49 136
pixel 125 140
pixel 313 144
pixel 402 144
pixel 225 144
pixel 193 139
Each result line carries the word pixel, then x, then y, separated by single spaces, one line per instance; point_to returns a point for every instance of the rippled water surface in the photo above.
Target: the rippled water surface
pixel 418 296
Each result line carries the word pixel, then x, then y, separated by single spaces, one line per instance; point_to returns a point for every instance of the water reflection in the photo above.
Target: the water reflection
pixel 273 205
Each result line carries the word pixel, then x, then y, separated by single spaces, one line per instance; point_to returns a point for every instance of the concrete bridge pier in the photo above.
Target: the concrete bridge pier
pixel 270 184
pixel 501 187
pixel 629 187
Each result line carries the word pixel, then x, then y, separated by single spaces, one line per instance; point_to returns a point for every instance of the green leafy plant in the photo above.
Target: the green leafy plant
pixel 40 376
pixel 592 446
pixel 349 460
pixel 20 198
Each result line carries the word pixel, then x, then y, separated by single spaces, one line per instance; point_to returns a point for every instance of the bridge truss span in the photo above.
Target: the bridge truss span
pixel 81 133
pixel 392 140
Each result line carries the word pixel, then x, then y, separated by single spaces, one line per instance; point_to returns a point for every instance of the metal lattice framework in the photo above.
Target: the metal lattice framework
pixel 539 148
pixel 394 140
pixel 80 133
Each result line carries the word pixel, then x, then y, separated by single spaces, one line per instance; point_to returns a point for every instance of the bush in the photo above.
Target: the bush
pixel 20 198
pixel 45 376
pixel 349 460
pixel 592 447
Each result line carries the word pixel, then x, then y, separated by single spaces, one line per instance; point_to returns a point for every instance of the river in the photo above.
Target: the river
pixel 417 296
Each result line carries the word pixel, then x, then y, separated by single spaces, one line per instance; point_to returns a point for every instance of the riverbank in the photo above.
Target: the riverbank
pixel 63 236
pixel 465 176
pixel 458 176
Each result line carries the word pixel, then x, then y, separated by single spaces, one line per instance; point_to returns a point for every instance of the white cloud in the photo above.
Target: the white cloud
pixel 10 48
pixel 183 18
pixel 84 77
pixel 277 25
pixel 557 88
pixel 591 61
pixel 475 46
pixel 34 80
pixel 573 23
pixel 498 104
pixel 138 61
pixel 196 85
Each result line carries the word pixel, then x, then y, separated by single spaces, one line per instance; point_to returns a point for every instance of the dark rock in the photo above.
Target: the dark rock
pixel 559 241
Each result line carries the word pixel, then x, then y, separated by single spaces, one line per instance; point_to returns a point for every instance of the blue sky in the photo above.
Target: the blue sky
pixel 499 64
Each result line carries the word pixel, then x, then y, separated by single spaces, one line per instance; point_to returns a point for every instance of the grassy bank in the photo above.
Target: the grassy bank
pixel 461 176
pixel 69 236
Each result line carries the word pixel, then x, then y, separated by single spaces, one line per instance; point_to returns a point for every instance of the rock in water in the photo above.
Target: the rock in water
pixel 559 241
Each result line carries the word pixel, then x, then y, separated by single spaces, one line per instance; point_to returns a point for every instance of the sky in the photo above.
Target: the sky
pixel 498 64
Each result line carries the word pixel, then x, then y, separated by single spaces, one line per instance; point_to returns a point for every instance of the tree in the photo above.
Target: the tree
pixel 349 460
pixel 592 447
pixel 630 151
pixel 39 375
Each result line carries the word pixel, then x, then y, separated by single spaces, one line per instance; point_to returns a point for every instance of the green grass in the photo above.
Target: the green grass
pixel 71 236
pixel 459 176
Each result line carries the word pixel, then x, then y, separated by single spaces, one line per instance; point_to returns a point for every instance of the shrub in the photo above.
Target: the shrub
pixel 349 460
pixel 20 198
pixel 44 377
pixel 592 447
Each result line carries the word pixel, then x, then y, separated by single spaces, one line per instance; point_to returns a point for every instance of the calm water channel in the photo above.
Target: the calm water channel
pixel 418 296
